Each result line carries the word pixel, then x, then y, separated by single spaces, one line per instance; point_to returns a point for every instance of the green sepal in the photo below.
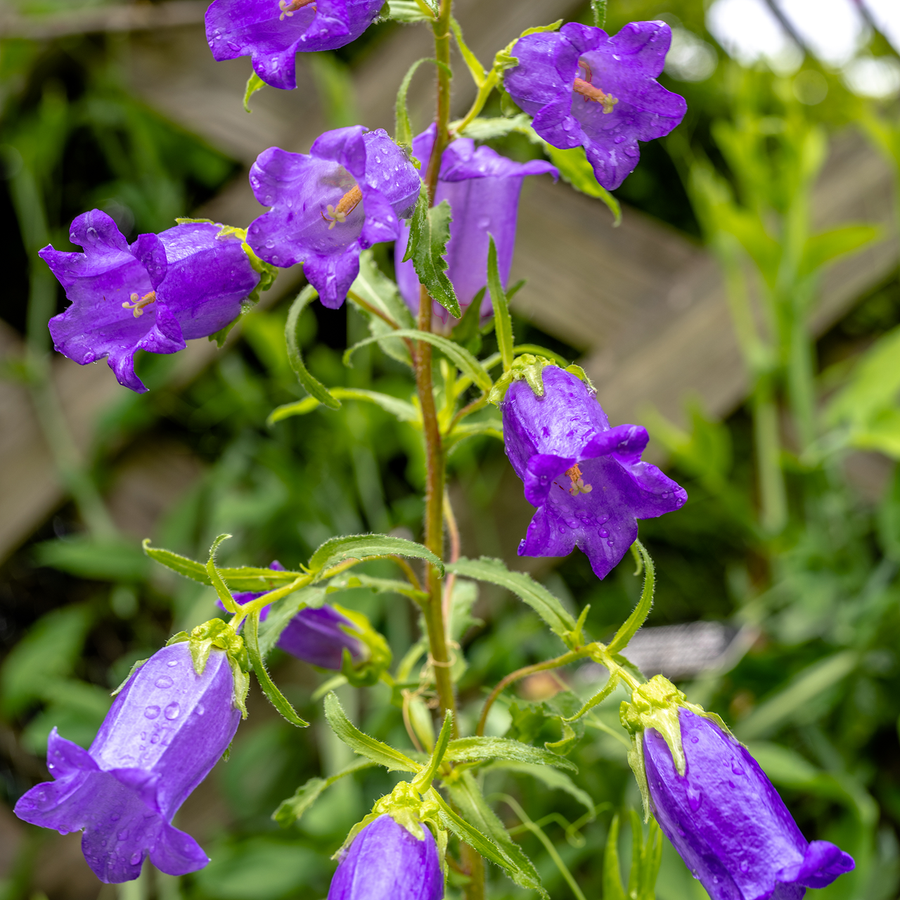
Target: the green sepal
pixel 657 704
pixel 127 678
pixel 369 670
pixel 423 780
pixel 254 84
pixel 504 58
pixel 220 635
pixel 291 810
pixel 524 368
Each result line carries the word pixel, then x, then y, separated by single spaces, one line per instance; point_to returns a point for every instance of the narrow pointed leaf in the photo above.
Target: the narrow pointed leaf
pixel 470 749
pixel 502 322
pixel 313 386
pixel 368 546
pixel 427 775
pixel 639 615
pixel 276 698
pixel 291 810
pixel 612 877
pixel 404 412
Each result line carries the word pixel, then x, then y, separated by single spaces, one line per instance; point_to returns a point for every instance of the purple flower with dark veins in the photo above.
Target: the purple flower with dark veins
pixel 388 862
pixel 728 823
pixel 186 282
pixel 349 193
pixel 483 190
pixel 585 478
pixel 166 729
pixel 273 31
pixel 587 89
pixel 317 636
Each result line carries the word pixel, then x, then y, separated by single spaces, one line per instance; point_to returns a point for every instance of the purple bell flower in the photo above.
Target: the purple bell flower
pixel 727 821
pixel 166 729
pixel 316 636
pixel 349 193
pixel 587 89
pixel 187 282
pixel 387 862
pixel 585 478
pixel 483 190
pixel 272 31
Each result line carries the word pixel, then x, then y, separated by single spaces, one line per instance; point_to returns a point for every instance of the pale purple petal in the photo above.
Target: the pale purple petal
pixel 547 438
pixel 272 34
pixel 727 821
pixel 387 862
pixel 624 67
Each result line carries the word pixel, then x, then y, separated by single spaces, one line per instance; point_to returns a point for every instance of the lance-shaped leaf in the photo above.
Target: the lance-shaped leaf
pixel 644 605
pixel 367 546
pixel 291 810
pixel 276 698
pixel 502 321
pixel 403 411
pixel 379 585
pixel 458 355
pixel 480 818
pixel 254 84
pixel 313 386
pixel 281 614
pixel 423 780
pixel 471 749
pixel 548 607
pixel 403 130
pixel 429 232
pixel 372 749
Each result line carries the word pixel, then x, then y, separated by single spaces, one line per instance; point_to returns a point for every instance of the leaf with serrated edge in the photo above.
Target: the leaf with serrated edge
pixel 291 810
pixel 470 749
pixel 283 612
pixel 429 232
pixel 313 386
pixel 276 698
pixel 372 749
pixel 368 546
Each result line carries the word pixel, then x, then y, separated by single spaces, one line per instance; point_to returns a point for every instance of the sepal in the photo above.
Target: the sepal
pixel 377 654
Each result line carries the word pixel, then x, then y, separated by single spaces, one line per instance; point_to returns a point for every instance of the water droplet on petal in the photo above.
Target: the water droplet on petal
pixel 173 711
pixel 736 769
pixel 745 866
pixel 151 712
pixel 164 682
pixel 562 529
pixel 114 817
pixel 695 798
pixel 695 739
pixel 122 835
pixel 135 858
pixel 154 739
pixel 174 662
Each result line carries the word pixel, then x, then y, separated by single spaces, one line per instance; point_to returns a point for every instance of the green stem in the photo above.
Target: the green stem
pixel 801 374
pixel 772 494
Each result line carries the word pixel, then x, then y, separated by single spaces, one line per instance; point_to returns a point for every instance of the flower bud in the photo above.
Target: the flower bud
pixel 388 862
pixel 166 729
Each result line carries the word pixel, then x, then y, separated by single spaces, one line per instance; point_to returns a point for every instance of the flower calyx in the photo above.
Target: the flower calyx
pixel 377 653
pixel 528 367
pixel 217 634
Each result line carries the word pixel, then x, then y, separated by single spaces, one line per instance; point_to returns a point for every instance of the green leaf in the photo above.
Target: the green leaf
pixel 479 817
pixel 313 386
pixel 429 231
pixel 502 321
pixel 423 780
pixel 523 586
pixel 372 749
pixel 283 611
pixel 368 546
pixel 491 129
pixel 254 84
pixel 574 168
pixel 403 135
pixel 276 698
pixel 290 811
pixel 477 70
pixel 189 568
pixel 472 749
pixel 465 430
pixel 87 557
pixel 639 615
pixel 403 411
pixel 612 875
pixel 406 11
pixel 550 777
pixel 829 245
pixel 215 579
pixel 459 356
pixel 379 585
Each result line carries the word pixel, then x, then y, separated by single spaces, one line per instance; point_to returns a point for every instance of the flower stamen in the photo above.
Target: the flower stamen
pixel 346 205
pixel 590 93
pixel 289 7
pixel 138 304
pixel 578 485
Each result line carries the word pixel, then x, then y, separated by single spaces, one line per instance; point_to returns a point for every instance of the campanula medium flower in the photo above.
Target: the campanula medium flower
pixel 585 478
pixel 348 193
pixel 728 823
pixel 166 729
pixel 273 31
pixel 483 189
pixel 317 636
pixel 587 89
pixel 187 282
pixel 388 862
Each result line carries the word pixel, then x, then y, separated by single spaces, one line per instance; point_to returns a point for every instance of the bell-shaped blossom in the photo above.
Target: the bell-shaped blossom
pixel 317 636
pixel 348 193
pixel 482 188
pixel 273 31
pixel 388 862
pixel 186 282
pixel 165 731
pixel 587 89
pixel 728 823
pixel 585 478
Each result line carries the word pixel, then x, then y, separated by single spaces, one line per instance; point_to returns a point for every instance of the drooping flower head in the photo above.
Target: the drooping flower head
pixel 317 636
pixel 483 190
pixel 386 861
pixel 166 729
pixel 718 808
pixel 273 31
pixel 349 193
pixel 186 282
pixel 587 89
pixel 585 478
